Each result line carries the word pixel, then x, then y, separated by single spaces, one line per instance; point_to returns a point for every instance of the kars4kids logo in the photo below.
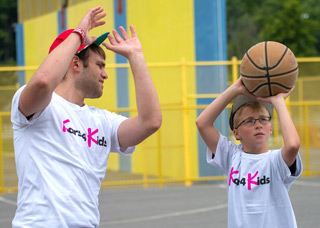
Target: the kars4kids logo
pixel 89 137
pixel 248 181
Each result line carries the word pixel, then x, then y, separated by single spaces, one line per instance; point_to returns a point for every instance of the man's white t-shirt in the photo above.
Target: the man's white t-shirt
pixel 258 186
pixel 61 158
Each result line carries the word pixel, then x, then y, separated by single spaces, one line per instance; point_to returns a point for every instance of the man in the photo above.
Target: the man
pixel 62 145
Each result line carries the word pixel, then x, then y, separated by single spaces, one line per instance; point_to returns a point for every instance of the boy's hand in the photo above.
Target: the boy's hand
pixel 241 89
pixel 91 20
pixel 127 46
pixel 272 99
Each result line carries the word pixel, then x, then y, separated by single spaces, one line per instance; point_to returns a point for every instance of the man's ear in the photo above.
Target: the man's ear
pixel 76 64
pixel 236 134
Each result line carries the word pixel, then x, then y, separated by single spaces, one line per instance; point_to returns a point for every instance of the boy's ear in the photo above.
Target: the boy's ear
pixel 236 134
pixel 270 129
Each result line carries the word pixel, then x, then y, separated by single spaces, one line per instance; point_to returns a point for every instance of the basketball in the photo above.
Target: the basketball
pixel 269 68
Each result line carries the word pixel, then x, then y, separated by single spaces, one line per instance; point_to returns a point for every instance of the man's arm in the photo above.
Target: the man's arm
pixel 205 121
pixel 135 129
pixel 38 92
pixel 290 135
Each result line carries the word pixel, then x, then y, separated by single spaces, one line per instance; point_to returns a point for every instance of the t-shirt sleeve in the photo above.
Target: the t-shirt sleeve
pixel 285 174
pixel 116 120
pixel 17 118
pixel 223 155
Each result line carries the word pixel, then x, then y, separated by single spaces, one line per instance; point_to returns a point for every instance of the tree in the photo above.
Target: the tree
pixel 8 18
pixel 241 30
pixel 292 28
pixel 291 22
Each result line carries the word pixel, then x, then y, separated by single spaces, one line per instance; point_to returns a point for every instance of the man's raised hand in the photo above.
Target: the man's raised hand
pixel 91 20
pixel 125 46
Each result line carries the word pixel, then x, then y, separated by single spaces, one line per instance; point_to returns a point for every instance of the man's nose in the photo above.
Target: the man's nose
pixel 104 74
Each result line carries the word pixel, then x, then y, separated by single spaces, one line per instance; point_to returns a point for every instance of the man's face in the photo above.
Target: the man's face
pixel 91 79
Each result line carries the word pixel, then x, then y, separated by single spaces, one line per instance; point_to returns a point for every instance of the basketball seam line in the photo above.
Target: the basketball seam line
pixel 272 83
pixel 274 75
pixel 266 68
pixel 284 53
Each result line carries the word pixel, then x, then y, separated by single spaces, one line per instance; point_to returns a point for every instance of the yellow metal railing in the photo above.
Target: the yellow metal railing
pixel 185 108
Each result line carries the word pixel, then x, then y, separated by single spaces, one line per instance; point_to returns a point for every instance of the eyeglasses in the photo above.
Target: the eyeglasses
pixel 251 121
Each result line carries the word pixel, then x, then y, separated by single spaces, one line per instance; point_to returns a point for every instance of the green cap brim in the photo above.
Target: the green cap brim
pixel 98 41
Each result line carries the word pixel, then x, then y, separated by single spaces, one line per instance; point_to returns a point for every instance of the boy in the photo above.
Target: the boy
pixel 258 179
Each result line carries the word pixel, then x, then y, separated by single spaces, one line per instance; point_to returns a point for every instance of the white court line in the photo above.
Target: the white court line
pixel 306 183
pixel 173 214
pixel 11 202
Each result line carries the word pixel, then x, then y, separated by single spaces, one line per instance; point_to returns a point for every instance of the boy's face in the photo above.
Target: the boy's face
pixel 253 137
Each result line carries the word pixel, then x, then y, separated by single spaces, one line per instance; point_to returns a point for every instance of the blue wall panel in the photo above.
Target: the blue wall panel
pixel 20 53
pixel 211 45
pixel 62 23
pixel 122 77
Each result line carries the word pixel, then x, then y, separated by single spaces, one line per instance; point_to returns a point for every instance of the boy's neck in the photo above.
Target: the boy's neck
pixel 255 149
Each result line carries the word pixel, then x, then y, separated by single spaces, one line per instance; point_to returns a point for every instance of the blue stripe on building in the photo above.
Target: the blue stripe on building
pixel 62 20
pixel 122 76
pixel 211 45
pixel 20 53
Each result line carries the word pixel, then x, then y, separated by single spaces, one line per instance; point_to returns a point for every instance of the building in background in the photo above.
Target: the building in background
pixel 174 35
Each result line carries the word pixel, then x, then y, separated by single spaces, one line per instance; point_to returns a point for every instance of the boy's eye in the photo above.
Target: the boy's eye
pixel 264 120
pixel 249 121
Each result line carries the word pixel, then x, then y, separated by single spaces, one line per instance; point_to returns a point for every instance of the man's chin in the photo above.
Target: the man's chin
pixel 94 96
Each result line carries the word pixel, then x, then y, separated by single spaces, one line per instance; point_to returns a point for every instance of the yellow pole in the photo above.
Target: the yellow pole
pixel 306 136
pixel 276 139
pixel 186 132
pixel 300 99
pixel 144 164
pixel 235 73
pixel 1 159
pixel 159 159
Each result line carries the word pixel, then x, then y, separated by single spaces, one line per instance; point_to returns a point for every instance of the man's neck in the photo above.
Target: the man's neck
pixel 69 93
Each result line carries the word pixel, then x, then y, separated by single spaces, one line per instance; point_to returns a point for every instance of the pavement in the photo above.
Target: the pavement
pixel 200 206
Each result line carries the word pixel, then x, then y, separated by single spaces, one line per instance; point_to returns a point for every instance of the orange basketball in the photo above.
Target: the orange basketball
pixel 269 68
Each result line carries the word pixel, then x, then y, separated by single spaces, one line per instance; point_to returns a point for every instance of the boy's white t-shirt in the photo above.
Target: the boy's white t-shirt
pixel 258 186
pixel 61 158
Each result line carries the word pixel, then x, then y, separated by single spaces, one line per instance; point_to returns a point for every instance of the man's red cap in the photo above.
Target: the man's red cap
pixel 82 47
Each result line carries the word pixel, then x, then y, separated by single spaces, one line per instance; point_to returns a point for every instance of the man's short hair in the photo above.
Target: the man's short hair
pixel 85 54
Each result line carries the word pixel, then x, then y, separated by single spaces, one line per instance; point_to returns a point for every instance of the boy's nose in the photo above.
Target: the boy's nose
pixel 257 124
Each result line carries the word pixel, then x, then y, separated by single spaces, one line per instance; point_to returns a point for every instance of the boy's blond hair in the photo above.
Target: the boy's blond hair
pixel 253 105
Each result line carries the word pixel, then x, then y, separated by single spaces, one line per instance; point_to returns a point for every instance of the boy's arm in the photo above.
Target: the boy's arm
pixel 205 121
pixel 135 129
pixel 290 135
